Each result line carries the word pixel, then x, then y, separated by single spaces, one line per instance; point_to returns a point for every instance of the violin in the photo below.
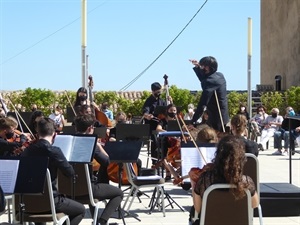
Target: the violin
pixel 194 174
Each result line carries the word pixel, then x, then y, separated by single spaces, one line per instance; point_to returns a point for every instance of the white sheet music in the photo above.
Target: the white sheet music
pixel 8 175
pixel 191 157
pixel 76 148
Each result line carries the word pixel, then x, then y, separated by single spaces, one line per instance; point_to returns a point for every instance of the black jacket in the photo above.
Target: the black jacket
pixel 57 160
pixel 211 83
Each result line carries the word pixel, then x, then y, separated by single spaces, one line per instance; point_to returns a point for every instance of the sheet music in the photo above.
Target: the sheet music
pixel 76 148
pixel 83 149
pixel 64 142
pixel 8 175
pixel 191 157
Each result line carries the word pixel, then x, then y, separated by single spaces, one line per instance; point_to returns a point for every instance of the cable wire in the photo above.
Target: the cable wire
pixel 138 76
pixel 48 36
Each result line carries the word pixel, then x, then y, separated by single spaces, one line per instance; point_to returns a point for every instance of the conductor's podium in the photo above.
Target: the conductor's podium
pixel 279 200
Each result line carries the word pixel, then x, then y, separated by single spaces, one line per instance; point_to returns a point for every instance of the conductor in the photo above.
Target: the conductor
pixel 214 95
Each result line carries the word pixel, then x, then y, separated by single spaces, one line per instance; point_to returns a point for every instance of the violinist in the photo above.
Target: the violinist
pixel 101 191
pixel 226 168
pixel 8 145
pixel 58 117
pixel 150 118
pixel 57 161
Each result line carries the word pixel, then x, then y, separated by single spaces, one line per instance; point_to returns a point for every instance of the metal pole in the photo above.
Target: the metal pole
pixel 83 43
pixel 249 66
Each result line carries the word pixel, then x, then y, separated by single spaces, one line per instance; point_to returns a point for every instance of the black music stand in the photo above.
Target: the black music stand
pixel 25 116
pixel 23 175
pixel 70 114
pixel 123 152
pixel 132 132
pixel 69 130
pixel 101 132
pixel 173 125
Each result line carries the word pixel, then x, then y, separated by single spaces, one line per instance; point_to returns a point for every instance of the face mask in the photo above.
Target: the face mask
pixel 242 109
pixel 190 110
pixel 104 107
pixel 56 113
pixel 82 98
pixel 121 121
pixel 9 135
pixel 274 115
pixel 156 95
pixel 261 113
pixel 172 115
pixel 292 113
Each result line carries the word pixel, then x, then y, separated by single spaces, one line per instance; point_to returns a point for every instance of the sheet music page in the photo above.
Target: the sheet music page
pixel 191 158
pixel 65 144
pixel 8 175
pixel 83 147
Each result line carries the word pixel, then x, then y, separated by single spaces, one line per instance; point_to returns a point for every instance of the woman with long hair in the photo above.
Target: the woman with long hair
pixel 227 167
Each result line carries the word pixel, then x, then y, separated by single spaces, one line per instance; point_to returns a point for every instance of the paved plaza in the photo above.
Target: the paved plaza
pixel 272 169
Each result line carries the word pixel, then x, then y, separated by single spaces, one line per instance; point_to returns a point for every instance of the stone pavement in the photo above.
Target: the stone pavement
pixel 272 169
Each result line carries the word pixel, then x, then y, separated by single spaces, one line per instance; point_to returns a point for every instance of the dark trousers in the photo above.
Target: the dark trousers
pixel 73 209
pixel 103 191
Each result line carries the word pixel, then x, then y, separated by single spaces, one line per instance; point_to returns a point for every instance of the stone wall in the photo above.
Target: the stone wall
pixel 280 42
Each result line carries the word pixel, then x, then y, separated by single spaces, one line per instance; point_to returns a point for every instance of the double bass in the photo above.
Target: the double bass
pixel 100 116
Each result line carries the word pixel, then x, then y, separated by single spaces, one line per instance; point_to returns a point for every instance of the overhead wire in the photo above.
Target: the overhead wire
pixel 140 74
pixel 48 36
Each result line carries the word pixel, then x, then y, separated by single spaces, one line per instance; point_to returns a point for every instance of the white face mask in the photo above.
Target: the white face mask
pixel 242 108
pixel 190 110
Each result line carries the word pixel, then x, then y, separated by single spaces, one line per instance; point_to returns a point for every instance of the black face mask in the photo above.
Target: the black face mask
pixel 172 115
pixel 121 121
pixel 9 135
pixel 274 115
pixel 82 98
pixel 157 95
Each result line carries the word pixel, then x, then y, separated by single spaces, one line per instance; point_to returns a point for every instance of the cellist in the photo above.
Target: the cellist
pixel 150 118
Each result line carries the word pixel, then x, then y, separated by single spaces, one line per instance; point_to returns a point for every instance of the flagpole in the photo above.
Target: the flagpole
pixel 83 42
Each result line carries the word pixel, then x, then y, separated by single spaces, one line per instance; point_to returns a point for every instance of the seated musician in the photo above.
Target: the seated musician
pixel 101 191
pixel 57 161
pixel 226 168
pixel 8 145
pixel 171 113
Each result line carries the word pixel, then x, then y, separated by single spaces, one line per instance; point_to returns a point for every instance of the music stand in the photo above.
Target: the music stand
pixel 131 132
pixel 69 130
pixel 173 125
pixel 25 116
pixel 101 132
pixel 122 152
pixel 23 175
pixel 70 114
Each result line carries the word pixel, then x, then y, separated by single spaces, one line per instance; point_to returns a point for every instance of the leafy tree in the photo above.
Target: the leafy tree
pixel 110 97
pixel 274 100
pixel 234 100
pixel 293 97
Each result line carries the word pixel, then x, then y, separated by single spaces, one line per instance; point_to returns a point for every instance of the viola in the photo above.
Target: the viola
pixel 23 144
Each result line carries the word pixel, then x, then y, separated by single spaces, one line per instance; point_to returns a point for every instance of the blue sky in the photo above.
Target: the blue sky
pixel 40 42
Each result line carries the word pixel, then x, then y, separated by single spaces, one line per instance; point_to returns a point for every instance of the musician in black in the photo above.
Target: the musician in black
pixel 214 95
pixel 150 118
pixel 57 161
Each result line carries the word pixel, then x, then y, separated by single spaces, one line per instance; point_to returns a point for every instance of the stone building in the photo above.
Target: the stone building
pixel 280 43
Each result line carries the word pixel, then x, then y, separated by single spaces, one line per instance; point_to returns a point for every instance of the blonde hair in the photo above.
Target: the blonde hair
pixel 207 135
pixel 239 121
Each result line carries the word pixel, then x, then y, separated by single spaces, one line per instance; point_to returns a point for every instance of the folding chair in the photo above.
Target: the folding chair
pixel 138 182
pixel 219 207
pixel 251 168
pixel 81 188
pixel 40 208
